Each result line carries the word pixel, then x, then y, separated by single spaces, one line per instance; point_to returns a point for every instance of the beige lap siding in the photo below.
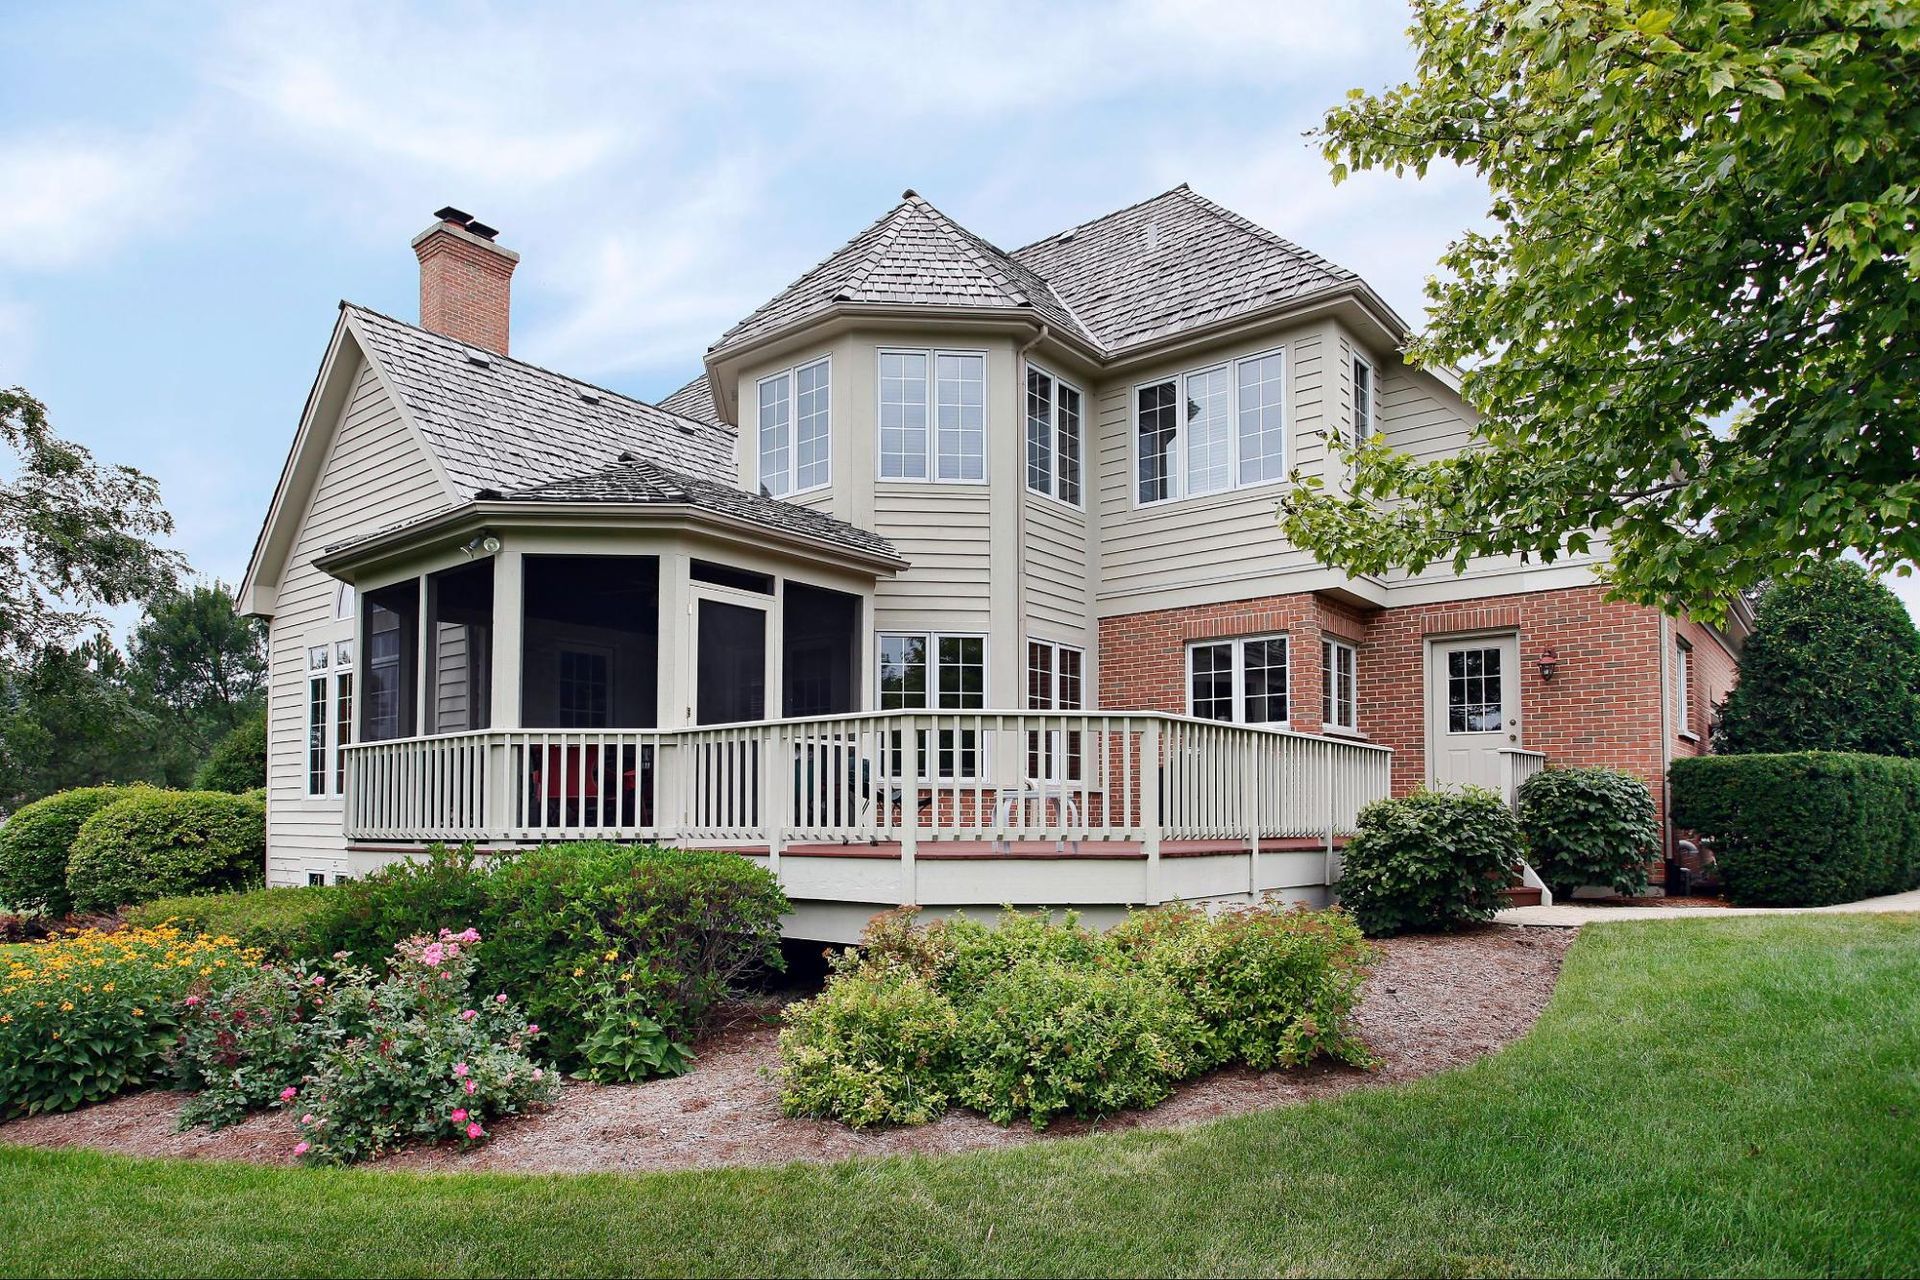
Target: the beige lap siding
pixel 375 474
pixel 1601 708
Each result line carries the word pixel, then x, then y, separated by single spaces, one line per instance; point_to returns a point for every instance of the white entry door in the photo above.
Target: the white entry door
pixel 1473 708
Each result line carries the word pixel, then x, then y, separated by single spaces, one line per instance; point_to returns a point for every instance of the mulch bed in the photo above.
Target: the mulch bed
pixel 1433 1003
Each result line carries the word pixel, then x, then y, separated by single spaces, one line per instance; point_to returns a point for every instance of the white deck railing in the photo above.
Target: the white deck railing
pixel 879 777
pixel 1516 766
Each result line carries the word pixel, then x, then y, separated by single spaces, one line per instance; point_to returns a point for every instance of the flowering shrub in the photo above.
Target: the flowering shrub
pixel 1034 1017
pixel 416 1056
pixel 85 1016
pixel 241 1047
pixel 624 1043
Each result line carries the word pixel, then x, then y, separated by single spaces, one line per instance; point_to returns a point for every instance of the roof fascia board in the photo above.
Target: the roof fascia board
pixel 805 328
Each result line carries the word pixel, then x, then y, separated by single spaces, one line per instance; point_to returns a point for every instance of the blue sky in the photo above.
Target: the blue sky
pixel 188 189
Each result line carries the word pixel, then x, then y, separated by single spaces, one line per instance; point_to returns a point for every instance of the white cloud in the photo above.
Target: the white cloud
pixel 70 197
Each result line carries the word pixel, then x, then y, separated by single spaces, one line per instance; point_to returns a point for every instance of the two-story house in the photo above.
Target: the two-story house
pixel 954 578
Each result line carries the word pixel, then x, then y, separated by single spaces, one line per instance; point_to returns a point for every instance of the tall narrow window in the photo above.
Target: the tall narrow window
pixel 794 427
pixel 1209 462
pixel 342 725
pixel 318 710
pixel 1339 707
pixel 960 415
pixel 1156 426
pixel 1362 399
pixel 1238 680
pixel 903 415
pixel 1054 683
pixel 1263 427
pixel 1682 687
pixel 1053 437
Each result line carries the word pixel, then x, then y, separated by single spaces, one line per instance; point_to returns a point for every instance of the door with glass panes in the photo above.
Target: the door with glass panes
pixel 1473 708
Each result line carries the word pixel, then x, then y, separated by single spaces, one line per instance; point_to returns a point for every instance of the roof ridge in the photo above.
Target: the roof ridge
pixel 858 277
pixel 1114 213
pixel 524 364
pixel 968 241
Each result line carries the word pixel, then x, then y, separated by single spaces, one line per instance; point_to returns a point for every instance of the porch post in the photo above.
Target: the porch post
pixel 508 613
pixel 776 792
pixel 910 808
pixel 675 629
pixel 1250 792
pixel 1150 806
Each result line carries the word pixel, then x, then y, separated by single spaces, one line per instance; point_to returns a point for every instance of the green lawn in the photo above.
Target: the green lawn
pixel 1730 1097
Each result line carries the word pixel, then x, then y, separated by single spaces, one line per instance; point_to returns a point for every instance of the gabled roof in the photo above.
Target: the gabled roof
pixel 493 422
pixel 642 481
pixel 914 255
pixel 1171 263
pixel 695 400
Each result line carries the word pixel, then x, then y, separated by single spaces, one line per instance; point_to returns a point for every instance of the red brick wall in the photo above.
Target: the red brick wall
pixel 1714 671
pixel 1601 708
pixel 465 290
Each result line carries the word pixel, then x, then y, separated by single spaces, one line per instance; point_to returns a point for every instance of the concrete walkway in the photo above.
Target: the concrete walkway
pixel 1572 915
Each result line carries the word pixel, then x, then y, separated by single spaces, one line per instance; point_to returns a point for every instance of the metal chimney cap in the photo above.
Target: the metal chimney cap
pixel 482 230
pixel 451 214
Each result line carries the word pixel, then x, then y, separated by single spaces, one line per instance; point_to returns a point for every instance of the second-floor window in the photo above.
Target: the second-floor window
pixel 1053 437
pixel 933 415
pixel 1213 429
pixel 794 435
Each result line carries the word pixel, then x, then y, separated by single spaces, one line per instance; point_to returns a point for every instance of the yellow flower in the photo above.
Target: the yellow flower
pixel 108 987
pixel 138 1012
pixel 579 973
pixel 613 955
pixel 56 1035
pixel 6 1017
pixel 66 1006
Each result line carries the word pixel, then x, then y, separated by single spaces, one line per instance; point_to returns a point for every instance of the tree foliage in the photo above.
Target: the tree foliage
pixel 1699 213
pixel 200 664
pixel 1833 665
pixel 75 536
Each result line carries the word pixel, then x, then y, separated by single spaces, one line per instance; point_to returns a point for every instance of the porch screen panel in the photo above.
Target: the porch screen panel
pixel 732 663
pixel 460 648
pixel 590 650
pixel 820 652
pixel 391 666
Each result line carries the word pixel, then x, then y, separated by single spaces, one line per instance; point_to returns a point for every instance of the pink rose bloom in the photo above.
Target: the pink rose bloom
pixel 538 1074
pixel 472 1087
pixel 468 1015
pixel 475 1132
pixel 301 1148
pixel 289 1093
pixel 501 998
pixel 433 955
pixel 319 979
pixel 445 974
pixel 459 1115
pixel 470 935
pixel 459 1069
pixel 533 1028
pixel 307 1118
pixel 194 1000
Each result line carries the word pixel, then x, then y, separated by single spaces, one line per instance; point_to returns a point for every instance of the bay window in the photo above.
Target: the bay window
pixel 933 415
pixel 794 429
pixel 1211 430
pixel 1243 681
pixel 1053 437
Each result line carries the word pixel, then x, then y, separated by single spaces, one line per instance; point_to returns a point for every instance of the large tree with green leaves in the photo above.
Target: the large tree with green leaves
pixel 1833 665
pixel 75 536
pixel 68 718
pixel 1694 323
pixel 199 665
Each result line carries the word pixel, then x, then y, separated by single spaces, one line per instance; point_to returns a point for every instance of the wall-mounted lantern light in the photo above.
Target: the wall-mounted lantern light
pixel 1549 663
pixel 483 543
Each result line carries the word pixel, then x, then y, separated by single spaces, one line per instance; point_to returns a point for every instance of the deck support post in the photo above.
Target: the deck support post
pixel 776 793
pixel 910 808
pixel 1326 789
pixel 1250 772
pixel 1150 780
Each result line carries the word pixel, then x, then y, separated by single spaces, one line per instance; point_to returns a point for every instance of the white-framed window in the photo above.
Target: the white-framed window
pixel 795 429
pixel 1683 687
pixel 933 415
pixel 329 716
pixel 344 601
pixel 1243 680
pixel 1339 701
pixel 1210 430
pixel 1056 681
pixel 935 671
pixel 1054 426
pixel 1362 407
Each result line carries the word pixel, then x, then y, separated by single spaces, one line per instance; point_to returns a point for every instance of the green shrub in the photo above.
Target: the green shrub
pixel 1804 829
pixel 1589 826
pixel 1431 860
pixel 239 760
pixel 152 844
pixel 878 1046
pixel 1275 986
pixel 444 889
pixel 1043 1037
pixel 242 1047
pixel 1035 1016
pixel 675 929
pixel 283 923
pixel 36 842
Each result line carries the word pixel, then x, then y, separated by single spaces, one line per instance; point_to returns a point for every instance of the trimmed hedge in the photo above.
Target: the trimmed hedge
pixel 239 760
pixel 1589 826
pixel 153 844
pixel 36 842
pixel 1804 829
pixel 1430 860
pixel 283 923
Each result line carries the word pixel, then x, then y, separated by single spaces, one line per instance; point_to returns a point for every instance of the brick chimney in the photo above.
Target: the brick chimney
pixel 465 280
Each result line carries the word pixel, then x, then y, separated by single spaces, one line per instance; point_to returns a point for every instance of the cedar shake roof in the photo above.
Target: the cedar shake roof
pixel 695 400
pixel 913 256
pixel 641 481
pixel 1175 262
